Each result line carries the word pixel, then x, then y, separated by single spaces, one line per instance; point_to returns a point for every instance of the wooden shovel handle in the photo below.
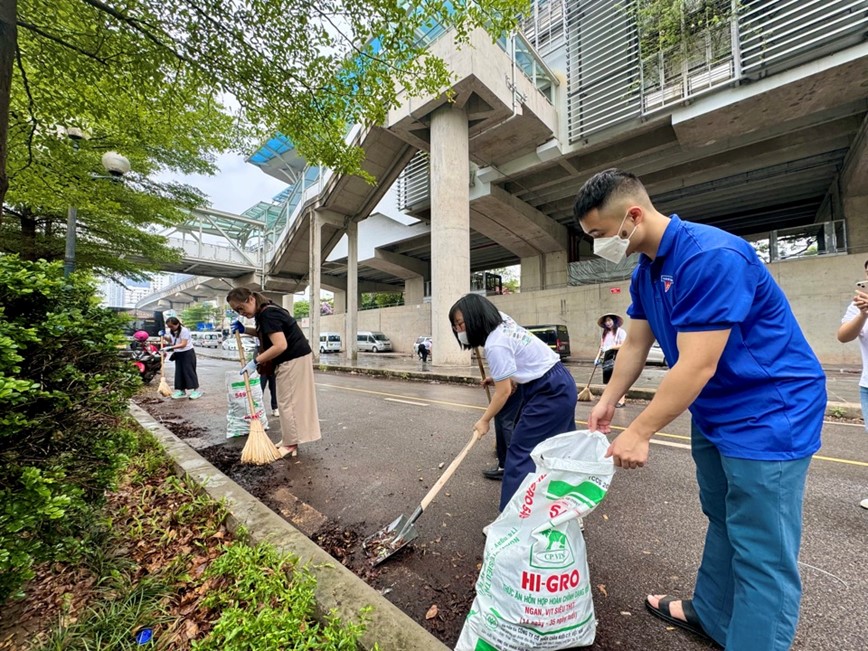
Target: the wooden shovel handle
pixel 449 471
pixel 243 360
pixel 482 372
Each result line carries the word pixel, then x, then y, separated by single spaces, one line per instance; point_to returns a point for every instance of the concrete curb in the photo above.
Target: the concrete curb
pixel 337 588
pixel 401 375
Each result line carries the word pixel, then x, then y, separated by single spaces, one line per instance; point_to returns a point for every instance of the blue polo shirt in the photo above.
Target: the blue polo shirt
pixel 767 398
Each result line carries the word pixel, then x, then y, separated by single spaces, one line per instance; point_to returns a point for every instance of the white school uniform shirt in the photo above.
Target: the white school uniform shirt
pixel 184 334
pixel 852 313
pixel 513 352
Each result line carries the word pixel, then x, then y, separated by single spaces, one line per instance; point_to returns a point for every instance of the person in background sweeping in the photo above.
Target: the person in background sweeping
pixel 504 423
pixel 611 341
pixel 548 391
pixel 756 393
pixel 285 349
pixel 181 349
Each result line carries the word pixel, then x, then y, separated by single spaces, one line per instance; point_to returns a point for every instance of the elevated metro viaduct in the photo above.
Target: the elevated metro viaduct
pixel 764 131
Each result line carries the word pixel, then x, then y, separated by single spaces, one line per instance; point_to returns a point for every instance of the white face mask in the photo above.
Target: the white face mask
pixel 613 249
pixel 462 337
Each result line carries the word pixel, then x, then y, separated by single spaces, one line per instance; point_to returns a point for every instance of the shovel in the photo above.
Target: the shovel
pixel 401 531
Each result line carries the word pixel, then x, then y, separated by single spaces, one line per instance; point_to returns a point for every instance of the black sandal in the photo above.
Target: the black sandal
pixel 692 624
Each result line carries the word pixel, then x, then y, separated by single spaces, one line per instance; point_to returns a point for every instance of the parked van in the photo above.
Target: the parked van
pixel 374 342
pixel 556 336
pixel 329 342
pixel 207 338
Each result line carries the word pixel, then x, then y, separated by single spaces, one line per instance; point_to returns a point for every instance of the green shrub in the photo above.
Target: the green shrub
pixel 63 398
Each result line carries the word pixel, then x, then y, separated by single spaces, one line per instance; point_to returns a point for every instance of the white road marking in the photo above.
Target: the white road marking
pixel 407 402
pixel 671 444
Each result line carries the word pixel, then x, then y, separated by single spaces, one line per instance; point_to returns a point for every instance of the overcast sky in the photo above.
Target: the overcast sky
pixel 237 186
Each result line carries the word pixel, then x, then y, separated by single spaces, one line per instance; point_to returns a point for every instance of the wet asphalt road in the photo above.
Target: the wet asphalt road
pixel 384 442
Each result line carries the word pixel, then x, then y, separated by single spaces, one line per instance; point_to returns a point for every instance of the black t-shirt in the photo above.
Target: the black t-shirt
pixel 273 318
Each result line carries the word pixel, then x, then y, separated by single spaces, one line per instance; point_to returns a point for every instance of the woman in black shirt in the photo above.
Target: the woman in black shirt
pixel 284 348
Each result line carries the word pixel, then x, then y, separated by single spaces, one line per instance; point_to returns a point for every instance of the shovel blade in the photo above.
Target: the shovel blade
pixel 390 539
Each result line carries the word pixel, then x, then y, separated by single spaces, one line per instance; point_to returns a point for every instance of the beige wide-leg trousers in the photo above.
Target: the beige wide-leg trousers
pixel 296 399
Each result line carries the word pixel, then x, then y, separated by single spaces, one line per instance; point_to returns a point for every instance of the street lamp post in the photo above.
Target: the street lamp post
pixel 116 166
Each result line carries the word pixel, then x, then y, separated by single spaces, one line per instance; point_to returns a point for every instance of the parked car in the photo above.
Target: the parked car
pixel 249 343
pixel 655 355
pixel 208 339
pixel 418 343
pixel 372 341
pixel 557 337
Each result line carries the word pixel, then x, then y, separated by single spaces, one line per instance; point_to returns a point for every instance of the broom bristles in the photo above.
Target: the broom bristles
pixel 585 395
pixel 259 449
pixel 164 389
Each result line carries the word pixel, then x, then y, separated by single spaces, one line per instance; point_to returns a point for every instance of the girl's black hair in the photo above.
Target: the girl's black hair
pixel 480 318
pixel 173 320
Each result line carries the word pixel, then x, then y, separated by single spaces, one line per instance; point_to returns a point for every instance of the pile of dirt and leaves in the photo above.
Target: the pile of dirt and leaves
pixel 162 569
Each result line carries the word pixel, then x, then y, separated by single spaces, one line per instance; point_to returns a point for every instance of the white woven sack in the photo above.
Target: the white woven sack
pixel 534 592
pixel 238 416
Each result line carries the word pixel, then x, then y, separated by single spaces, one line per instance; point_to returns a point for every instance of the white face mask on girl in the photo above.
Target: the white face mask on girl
pixel 462 337
pixel 613 249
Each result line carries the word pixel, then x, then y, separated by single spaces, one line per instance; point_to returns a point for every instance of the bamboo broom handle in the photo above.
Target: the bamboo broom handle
pixel 482 372
pixel 243 359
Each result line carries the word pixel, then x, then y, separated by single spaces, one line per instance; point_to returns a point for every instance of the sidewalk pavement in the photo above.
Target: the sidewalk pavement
pixel 842 381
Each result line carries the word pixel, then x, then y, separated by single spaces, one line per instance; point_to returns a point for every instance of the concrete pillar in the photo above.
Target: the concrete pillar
pixel 340 301
pixel 531 274
pixel 556 269
pixel 544 271
pixel 414 290
pixel 856 217
pixel 315 272
pixel 450 228
pixel 288 302
pixel 352 294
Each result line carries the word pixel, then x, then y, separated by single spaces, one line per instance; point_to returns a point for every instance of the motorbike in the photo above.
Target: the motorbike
pixel 146 359
pixel 148 364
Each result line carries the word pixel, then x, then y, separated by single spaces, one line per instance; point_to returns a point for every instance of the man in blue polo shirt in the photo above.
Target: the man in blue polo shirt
pixel 756 392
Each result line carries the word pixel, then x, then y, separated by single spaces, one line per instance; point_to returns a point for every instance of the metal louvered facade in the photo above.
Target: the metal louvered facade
pixel 604 74
pixel 776 34
pixel 610 81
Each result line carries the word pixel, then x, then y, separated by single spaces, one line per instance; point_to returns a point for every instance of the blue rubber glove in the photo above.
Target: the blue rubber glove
pixel 597 362
pixel 237 326
pixel 250 369
pixel 161 333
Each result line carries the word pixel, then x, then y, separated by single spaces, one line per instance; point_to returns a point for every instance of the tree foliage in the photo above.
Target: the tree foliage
pixel 145 76
pixel 63 394
pixel 200 313
pixel 301 308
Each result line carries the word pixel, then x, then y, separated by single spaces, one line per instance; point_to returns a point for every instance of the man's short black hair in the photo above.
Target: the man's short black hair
pixel 480 316
pixel 597 190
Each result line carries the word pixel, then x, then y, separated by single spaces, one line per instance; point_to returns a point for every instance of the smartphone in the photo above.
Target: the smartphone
pixel 862 285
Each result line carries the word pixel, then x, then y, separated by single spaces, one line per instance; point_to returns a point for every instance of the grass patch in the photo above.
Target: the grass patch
pixel 161 559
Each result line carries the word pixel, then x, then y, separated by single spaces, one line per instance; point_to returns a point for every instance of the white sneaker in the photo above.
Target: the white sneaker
pixel 864 503
pixel 276 412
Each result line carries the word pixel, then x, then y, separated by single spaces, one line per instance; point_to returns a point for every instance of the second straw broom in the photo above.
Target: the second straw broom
pixel 163 389
pixel 259 449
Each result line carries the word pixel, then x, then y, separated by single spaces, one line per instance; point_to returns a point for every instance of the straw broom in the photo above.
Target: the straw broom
pixel 163 389
pixel 259 449
pixel 585 394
